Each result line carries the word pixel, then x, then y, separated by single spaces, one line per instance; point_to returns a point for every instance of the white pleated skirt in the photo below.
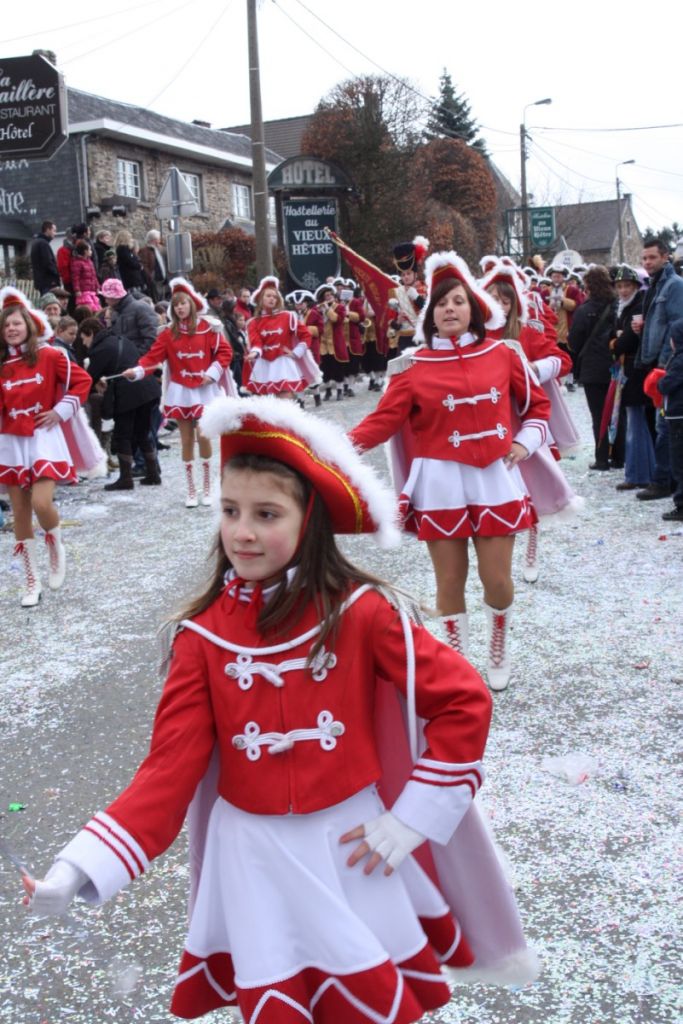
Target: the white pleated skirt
pixel 183 403
pixel 42 456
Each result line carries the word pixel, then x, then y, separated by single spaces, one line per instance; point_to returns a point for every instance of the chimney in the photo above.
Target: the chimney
pixel 202 124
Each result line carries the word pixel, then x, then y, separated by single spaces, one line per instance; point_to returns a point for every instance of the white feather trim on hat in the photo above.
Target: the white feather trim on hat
pixel 324 437
pixel 269 281
pixel 298 296
pixel 504 272
pixel 10 296
pixel 179 284
pixel 495 318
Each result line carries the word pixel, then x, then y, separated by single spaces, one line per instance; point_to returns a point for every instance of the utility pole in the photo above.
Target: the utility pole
pixel 264 264
pixel 525 197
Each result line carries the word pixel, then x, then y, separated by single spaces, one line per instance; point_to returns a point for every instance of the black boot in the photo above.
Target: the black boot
pixel 328 394
pixel 317 399
pixel 125 481
pixel 153 474
pixel 340 395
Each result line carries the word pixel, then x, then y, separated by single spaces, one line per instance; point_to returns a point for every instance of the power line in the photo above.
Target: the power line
pixel 80 23
pixel 125 35
pixel 602 156
pixel 314 40
pixel 640 128
pixel 587 177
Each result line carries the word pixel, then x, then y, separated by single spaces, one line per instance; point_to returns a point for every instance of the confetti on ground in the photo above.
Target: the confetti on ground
pixel 597 655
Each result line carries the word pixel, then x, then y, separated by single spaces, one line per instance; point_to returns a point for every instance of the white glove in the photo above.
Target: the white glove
pixel 54 894
pixel 391 839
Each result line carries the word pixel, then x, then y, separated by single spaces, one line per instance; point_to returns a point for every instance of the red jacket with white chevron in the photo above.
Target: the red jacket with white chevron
pixel 291 739
pixel 53 383
pixel 457 401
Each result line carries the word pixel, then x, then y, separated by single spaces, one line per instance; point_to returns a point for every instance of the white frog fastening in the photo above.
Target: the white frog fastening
pixel 456 438
pixel 245 668
pixel 9 384
pixel 493 395
pixel 252 739
pixel 25 412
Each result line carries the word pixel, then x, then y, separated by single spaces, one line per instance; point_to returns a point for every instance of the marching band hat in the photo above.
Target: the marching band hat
pixel 504 273
pixel 557 270
pixel 266 282
pixel 321 289
pixel 448 266
pixel 10 297
pixel 411 255
pixel 298 296
pixel 486 262
pixel 355 498
pixel 179 284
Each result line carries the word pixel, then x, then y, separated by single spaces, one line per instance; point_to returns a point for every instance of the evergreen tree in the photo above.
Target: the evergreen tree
pixel 451 117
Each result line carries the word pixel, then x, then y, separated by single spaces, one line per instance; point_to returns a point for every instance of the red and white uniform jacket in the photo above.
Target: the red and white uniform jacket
pixel 539 344
pixel 53 383
pixel 315 325
pixel 291 739
pixel 278 334
pixel 457 399
pixel 189 356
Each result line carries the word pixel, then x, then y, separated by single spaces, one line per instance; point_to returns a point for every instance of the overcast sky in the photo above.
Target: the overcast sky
pixel 610 66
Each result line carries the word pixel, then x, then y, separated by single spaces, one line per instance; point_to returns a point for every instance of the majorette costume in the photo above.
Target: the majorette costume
pixel 410 298
pixel 284 364
pixel 450 412
pixel 310 316
pixel 189 357
pixel 284 759
pixel 334 349
pixel 30 452
pixel 547 485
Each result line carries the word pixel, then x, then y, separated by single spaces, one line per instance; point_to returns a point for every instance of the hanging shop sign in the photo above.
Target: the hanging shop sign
pixel 33 113
pixel 311 256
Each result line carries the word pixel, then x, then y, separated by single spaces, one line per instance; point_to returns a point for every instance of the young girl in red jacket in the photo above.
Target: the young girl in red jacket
pixel 451 403
pixel 40 390
pixel 198 355
pixel 281 734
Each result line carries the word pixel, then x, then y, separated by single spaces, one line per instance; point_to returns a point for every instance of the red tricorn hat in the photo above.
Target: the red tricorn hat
pixel 506 273
pixel 13 297
pixel 266 282
pixel 179 284
pixel 448 266
pixel 356 500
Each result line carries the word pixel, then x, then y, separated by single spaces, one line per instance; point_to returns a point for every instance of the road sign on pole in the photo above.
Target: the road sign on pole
pixel 175 199
pixel 542 226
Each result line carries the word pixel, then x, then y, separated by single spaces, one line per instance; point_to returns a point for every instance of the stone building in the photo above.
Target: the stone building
pixel 111 169
pixel 592 229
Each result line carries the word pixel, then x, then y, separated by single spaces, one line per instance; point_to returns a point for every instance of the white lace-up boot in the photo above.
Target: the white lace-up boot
pixel 498 627
pixel 57 553
pixel 26 551
pixel 456 628
pixel 191 501
pixel 530 570
pixel 206 481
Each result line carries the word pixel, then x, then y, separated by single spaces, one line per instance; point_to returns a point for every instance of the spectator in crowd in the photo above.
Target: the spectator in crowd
pixel 671 386
pixel 639 462
pixel 65 337
pixel 132 318
pixel 84 277
pixel 128 262
pixel 64 254
pixel 243 303
pixel 153 261
pixel 662 306
pixel 102 244
pixel 43 259
pixel 62 296
pixel 109 266
pixel 589 339
pixel 49 303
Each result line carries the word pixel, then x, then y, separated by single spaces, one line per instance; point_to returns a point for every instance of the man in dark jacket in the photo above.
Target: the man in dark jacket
pixel 43 259
pixel 671 386
pixel 662 306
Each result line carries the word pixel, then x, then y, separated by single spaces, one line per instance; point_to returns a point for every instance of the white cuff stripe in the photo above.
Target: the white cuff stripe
pixel 120 842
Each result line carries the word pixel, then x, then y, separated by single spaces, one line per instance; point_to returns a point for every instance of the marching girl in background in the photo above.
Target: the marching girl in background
pixel 310 316
pixel 279 361
pixel 40 390
pixel 280 718
pixel 544 480
pixel 198 356
pixel 334 351
pixel 459 397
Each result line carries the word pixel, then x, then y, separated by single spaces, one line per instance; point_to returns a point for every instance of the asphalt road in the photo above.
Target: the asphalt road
pixel 598 644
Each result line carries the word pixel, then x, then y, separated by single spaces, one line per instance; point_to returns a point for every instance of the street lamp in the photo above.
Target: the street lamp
pixel 525 198
pixel 622 163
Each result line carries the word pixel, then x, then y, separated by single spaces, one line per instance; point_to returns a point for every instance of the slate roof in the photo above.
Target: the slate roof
pixel 283 136
pixel 85 106
pixel 590 227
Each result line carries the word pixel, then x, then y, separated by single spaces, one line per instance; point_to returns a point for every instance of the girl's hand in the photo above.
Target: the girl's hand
pixel 129 374
pixel 251 356
pixel 516 454
pixel 384 838
pixel 52 896
pixel 206 379
pixel 50 418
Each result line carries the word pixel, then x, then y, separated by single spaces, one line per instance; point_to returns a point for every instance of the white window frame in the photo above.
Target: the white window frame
pixel 128 178
pixel 194 183
pixel 242 200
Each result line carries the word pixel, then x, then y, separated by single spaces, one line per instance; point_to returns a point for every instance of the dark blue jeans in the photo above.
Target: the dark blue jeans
pixel 662 474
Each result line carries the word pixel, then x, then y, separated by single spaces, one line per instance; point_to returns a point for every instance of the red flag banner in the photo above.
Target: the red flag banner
pixel 379 288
